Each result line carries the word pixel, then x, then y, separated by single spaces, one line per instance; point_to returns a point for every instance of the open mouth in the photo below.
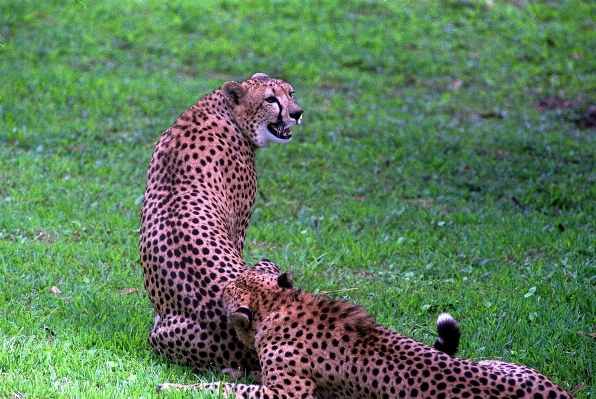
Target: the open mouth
pixel 280 130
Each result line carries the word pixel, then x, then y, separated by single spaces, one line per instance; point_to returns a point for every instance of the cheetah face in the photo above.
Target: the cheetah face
pixel 264 108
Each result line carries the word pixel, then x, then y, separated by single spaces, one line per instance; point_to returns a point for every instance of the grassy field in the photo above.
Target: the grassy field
pixel 446 163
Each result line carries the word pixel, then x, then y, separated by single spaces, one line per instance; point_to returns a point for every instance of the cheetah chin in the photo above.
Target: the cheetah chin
pixel 280 130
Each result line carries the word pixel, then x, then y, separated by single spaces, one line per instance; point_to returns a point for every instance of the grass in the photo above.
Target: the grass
pixel 444 165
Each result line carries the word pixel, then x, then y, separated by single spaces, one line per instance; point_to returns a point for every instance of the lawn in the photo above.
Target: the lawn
pixel 446 163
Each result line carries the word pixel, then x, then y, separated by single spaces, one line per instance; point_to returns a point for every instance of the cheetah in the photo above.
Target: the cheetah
pixel 313 347
pixel 201 187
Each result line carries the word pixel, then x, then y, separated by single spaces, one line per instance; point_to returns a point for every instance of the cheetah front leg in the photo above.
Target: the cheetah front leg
pixel 225 390
pixel 238 391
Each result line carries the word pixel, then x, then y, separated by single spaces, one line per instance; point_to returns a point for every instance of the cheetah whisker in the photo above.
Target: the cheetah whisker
pixel 338 291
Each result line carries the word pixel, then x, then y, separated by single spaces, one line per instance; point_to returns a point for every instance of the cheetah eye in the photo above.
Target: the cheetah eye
pixel 292 94
pixel 271 99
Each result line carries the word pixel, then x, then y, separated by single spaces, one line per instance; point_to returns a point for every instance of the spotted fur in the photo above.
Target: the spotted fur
pixel 201 187
pixel 312 347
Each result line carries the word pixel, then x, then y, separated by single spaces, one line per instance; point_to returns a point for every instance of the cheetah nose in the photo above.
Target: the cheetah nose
pixel 296 115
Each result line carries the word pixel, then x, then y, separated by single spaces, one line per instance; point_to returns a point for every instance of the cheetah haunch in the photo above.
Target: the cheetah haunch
pixel 312 347
pixel 201 188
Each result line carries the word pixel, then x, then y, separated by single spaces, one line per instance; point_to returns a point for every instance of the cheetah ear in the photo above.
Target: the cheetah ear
pixel 242 318
pixel 233 92
pixel 260 75
pixel 285 280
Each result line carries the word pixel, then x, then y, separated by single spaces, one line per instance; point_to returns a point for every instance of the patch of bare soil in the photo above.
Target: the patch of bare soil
pixel 583 115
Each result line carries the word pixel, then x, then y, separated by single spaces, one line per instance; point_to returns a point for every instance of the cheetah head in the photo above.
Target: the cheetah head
pixel 264 108
pixel 243 296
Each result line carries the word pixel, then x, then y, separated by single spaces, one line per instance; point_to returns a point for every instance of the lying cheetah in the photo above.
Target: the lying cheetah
pixel 201 188
pixel 312 347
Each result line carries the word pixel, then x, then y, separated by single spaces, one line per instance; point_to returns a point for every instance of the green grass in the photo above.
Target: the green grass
pixel 425 178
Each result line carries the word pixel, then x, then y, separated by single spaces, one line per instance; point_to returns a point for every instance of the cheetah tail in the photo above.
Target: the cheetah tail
pixel 449 333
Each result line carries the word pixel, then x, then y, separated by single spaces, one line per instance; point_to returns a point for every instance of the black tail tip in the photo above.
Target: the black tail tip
pixel 448 330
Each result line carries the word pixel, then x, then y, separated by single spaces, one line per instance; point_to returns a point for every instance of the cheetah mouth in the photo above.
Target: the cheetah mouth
pixel 280 130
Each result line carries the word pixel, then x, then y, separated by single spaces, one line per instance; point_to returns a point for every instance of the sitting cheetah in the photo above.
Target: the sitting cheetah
pixel 312 347
pixel 201 188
